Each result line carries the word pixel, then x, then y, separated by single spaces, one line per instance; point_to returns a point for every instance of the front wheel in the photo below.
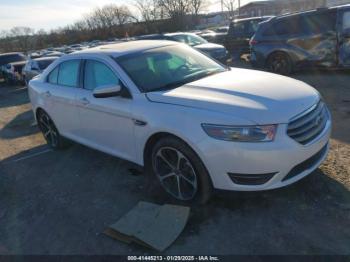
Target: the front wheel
pixel 180 172
pixel 50 132
pixel 279 63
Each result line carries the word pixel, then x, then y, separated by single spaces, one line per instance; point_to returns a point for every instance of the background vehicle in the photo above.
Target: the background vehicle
pixel 36 66
pixel 13 72
pixel 218 35
pixel 216 51
pixel 192 122
pixel 318 38
pixel 9 58
pixel 240 33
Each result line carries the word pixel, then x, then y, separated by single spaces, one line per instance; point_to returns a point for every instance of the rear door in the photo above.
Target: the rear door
pixel 344 38
pixel 318 38
pixel 60 97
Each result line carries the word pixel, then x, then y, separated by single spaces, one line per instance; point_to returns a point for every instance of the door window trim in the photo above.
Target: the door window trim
pixel 78 84
pixel 125 94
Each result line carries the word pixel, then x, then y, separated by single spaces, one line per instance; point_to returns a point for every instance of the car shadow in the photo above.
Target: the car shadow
pixel 79 191
pixel 22 125
pixel 13 96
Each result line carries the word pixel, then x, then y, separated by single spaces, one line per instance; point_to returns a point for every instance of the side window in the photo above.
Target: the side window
pixel 285 26
pixel 238 29
pixel 252 27
pixel 346 22
pixel 98 74
pixel 319 23
pixel 69 73
pixel 52 78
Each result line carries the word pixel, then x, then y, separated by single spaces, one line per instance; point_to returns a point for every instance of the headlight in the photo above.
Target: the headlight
pixel 241 133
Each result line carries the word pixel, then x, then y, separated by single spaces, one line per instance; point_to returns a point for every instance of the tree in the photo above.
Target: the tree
pixel 150 11
pixel 229 5
pixel 197 5
pixel 176 10
pixel 23 34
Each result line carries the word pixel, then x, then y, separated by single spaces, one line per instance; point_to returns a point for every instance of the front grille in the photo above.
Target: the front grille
pixel 309 163
pixel 310 125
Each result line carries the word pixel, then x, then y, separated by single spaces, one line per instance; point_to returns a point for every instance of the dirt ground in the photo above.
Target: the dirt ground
pixel 59 202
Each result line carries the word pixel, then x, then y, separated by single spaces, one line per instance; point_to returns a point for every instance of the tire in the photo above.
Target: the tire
pixel 179 171
pixel 50 132
pixel 279 63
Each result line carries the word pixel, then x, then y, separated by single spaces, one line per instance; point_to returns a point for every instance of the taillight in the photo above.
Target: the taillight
pixel 253 42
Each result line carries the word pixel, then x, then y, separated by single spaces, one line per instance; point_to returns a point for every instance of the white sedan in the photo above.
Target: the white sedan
pixel 194 124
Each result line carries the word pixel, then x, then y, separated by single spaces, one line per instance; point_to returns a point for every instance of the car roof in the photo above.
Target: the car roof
pixel 179 33
pixel 251 18
pixel 9 54
pixel 45 58
pixel 124 48
pixel 318 10
pixel 18 63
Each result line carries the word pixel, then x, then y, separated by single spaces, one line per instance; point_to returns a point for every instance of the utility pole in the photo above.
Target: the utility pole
pixel 239 7
pixel 222 6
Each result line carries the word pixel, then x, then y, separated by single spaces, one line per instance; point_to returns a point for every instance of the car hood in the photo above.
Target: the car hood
pixel 209 46
pixel 260 97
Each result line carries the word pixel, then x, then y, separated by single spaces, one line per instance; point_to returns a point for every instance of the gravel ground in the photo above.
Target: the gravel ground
pixel 59 202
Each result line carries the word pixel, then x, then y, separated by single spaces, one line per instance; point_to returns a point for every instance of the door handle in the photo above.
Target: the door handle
pixel 47 93
pixel 84 101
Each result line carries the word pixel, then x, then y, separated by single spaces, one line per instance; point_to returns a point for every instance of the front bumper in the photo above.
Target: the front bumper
pixel 284 159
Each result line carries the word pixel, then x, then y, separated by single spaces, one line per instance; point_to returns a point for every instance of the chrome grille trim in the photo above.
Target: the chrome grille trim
pixel 306 127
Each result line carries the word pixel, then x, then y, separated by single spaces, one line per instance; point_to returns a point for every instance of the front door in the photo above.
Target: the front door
pixel 106 123
pixel 344 38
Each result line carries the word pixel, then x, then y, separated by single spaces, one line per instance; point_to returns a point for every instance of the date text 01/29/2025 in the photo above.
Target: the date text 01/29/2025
pixel 173 258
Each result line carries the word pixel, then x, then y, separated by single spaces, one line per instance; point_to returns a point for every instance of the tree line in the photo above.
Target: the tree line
pixel 109 21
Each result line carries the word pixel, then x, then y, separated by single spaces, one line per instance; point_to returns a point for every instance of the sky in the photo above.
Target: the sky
pixel 48 14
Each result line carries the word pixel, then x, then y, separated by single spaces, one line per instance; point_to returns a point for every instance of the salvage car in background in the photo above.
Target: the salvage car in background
pixel 13 73
pixel 318 38
pixel 239 34
pixel 35 67
pixel 193 123
pixel 9 58
pixel 216 51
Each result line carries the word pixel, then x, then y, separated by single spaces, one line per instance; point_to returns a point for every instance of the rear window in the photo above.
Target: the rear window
pixel 43 64
pixel 5 59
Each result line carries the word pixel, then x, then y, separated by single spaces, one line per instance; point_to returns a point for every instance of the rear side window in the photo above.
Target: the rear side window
pixel 68 74
pixel 320 22
pixel 98 74
pixel 52 78
pixel 285 26
pixel 346 22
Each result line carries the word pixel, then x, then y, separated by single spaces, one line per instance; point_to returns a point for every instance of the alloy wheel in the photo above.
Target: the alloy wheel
pixel 48 129
pixel 175 173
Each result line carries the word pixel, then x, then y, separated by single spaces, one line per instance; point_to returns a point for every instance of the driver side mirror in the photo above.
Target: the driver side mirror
pixel 107 91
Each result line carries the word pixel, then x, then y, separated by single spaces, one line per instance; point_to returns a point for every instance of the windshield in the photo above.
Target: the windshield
pixel 167 67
